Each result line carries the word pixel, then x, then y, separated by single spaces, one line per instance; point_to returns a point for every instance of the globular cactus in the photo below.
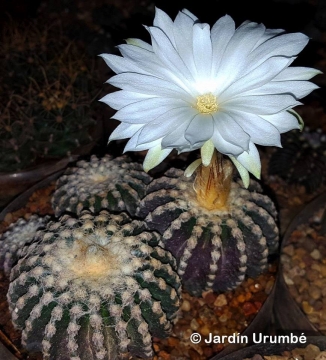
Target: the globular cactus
pixel 94 287
pixel 302 160
pixel 19 234
pixel 114 184
pixel 215 249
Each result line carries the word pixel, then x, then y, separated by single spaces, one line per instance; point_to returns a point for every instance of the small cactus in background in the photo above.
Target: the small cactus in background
pixel 302 160
pixel 94 287
pixel 214 249
pixel 114 184
pixel 47 87
pixel 19 234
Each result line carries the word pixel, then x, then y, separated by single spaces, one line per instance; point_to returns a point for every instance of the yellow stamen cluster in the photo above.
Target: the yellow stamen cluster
pixel 207 103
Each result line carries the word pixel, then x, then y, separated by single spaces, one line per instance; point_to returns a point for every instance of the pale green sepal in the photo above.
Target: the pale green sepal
pixel 155 156
pixel 140 43
pixel 192 167
pixel 206 152
pixel 132 41
pixel 299 118
pixel 244 173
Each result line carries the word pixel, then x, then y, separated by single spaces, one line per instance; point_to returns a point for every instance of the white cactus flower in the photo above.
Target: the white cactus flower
pixel 201 87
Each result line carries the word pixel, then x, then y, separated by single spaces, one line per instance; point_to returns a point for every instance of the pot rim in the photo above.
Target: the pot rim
pixel 21 199
pixel 293 310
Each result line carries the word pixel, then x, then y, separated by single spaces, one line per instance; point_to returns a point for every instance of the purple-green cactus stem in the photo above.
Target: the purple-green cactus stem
pixel 114 184
pixel 94 287
pixel 13 240
pixel 215 249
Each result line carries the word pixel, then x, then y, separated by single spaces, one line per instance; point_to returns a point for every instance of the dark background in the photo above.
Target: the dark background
pixel 101 25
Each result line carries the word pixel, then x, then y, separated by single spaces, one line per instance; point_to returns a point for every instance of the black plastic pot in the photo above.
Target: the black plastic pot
pixel 274 349
pixel 16 204
pixel 12 184
pixel 289 316
pixel 22 199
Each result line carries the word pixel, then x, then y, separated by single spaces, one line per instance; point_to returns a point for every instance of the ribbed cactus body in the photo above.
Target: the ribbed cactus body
pixel 214 249
pixel 16 237
pixel 94 287
pixel 114 184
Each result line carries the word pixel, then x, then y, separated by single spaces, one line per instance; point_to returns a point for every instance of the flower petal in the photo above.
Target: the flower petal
pixel 175 139
pixel 283 121
pixel 283 45
pixel 121 98
pixel 202 50
pixel 190 14
pixel 260 104
pixel 255 79
pixel 235 56
pixel 163 124
pixel 149 63
pixel 261 132
pixel 146 84
pixel 206 152
pixel 147 110
pixel 244 174
pixel 247 69
pixel 140 43
pixel 223 146
pixel 297 89
pixel 155 156
pixel 124 131
pixel 230 130
pixel 251 160
pixel 192 168
pixel 268 34
pixel 183 35
pixel 145 59
pixel 221 33
pixel 167 53
pixel 297 73
pixel 206 126
pixel 164 22
pixel 132 144
pixel 119 64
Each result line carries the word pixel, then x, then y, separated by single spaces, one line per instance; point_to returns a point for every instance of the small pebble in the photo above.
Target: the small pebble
pixel 220 300
pixel 304 271
pixel 308 309
pixel 186 306
pixel 315 254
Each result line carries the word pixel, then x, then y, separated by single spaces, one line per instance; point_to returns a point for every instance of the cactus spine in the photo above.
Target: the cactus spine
pixel 214 249
pixel 19 234
pixel 94 287
pixel 114 184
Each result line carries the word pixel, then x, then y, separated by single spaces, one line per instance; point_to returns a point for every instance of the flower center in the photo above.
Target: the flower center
pixel 207 103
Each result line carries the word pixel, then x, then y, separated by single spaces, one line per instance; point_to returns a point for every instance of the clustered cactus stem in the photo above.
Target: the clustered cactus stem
pixel 101 183
pixel 19 234
pixel 213 183
pixel 94 287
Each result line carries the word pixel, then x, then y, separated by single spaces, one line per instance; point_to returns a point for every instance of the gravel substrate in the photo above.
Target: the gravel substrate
pixel 219 314
pixel 310 352
pixel 304 268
